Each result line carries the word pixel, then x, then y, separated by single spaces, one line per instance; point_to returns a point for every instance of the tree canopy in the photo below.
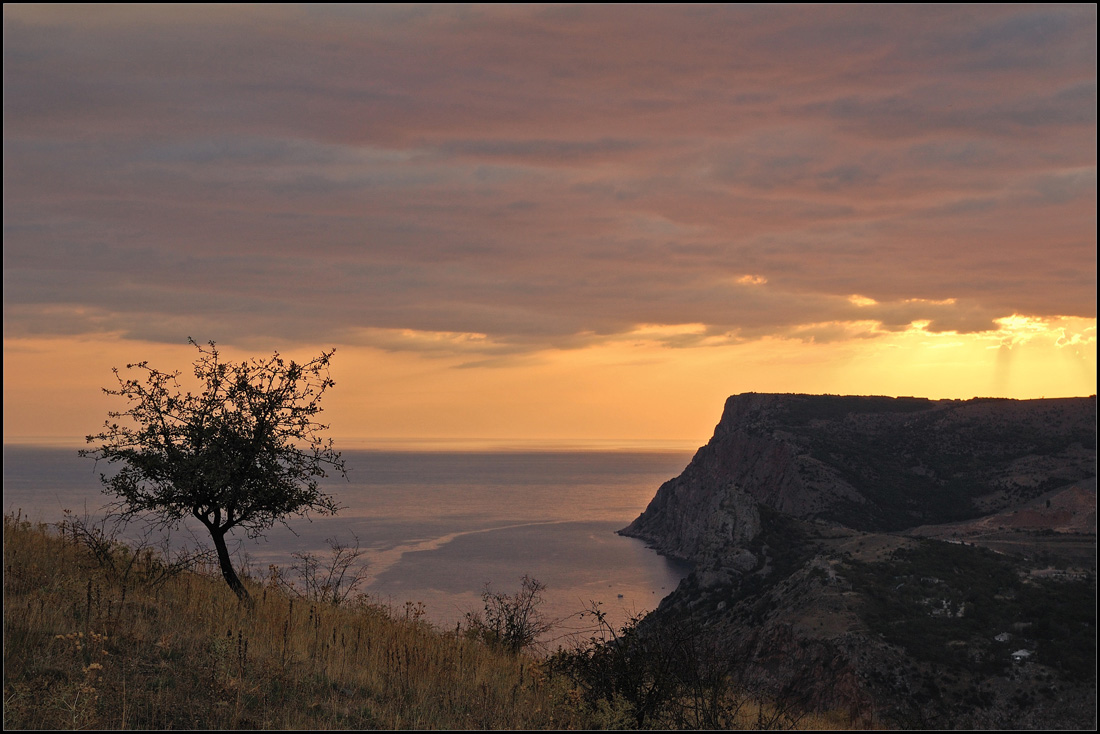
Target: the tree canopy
pixel 244 452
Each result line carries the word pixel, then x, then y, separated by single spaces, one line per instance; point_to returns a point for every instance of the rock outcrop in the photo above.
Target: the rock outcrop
pixel 869 463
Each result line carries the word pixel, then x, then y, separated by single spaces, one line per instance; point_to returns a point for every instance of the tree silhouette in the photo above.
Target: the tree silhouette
pixel 244 452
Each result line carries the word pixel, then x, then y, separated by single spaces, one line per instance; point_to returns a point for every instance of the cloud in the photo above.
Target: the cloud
pixel 406 177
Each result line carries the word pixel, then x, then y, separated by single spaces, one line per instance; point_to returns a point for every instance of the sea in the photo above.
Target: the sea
pixel 437 528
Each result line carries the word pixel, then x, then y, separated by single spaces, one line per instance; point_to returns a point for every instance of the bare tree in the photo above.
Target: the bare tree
pixel 332 580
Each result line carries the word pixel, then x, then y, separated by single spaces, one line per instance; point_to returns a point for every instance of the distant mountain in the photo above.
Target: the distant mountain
pixel 818 526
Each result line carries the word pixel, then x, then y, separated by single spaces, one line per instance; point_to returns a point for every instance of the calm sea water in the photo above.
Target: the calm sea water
pixel 436 527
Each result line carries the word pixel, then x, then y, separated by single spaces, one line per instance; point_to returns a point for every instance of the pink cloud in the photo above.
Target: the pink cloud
pixel 540 173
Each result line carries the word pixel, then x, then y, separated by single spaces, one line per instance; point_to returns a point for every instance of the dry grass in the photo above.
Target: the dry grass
pixel 84 651
pixel 88 648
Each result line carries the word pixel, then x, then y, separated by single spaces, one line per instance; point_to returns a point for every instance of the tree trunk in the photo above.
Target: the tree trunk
pixel 226 564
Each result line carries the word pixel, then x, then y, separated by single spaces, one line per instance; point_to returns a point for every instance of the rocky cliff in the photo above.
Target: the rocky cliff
pixel 869 463
pixel 808 519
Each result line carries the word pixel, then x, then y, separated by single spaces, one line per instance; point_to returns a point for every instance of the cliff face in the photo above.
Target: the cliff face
pixel 807 519
pixel 869 463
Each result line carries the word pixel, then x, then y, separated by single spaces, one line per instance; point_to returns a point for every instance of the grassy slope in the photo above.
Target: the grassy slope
pixel 89 647
pixel 85 650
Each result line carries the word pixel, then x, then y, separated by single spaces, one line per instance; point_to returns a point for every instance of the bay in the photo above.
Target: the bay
pixel 438 527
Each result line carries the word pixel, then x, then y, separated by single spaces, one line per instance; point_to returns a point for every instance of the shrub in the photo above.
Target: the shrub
pixel 510 622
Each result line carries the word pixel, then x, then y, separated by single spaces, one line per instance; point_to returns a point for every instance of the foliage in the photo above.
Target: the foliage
pixel 140 561
pixel 244 452
pixel 622 669
pixel 1062 614
pixel 671 677
pixel 800 410
pixel 945 602
pixel 332 580
pixel 916 462
pixel 510 622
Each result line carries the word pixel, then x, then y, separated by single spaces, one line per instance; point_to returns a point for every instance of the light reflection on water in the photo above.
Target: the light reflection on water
pixel 436 527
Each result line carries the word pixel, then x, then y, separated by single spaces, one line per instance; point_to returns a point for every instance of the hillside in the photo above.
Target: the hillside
pixel 101 635
pixel 893 556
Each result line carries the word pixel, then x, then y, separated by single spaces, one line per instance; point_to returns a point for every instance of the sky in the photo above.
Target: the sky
pixel 553 224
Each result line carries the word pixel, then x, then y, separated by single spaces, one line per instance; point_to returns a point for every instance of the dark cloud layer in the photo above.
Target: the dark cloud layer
pixel 545 176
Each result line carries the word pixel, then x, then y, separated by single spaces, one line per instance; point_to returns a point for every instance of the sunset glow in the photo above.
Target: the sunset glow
pixel 550 223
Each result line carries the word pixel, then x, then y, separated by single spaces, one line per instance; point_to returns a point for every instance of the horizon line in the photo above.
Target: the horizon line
pixel 439 443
